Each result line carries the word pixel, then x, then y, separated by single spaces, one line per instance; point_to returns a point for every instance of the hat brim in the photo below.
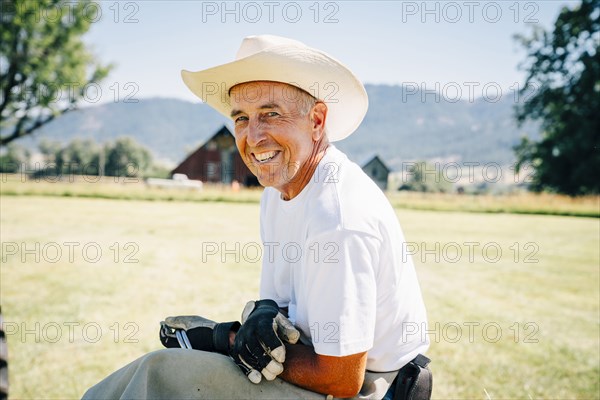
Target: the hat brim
pixel 310 70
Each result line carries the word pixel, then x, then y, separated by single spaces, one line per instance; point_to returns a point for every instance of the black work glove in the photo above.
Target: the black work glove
pixel 258 347
pixel 192 331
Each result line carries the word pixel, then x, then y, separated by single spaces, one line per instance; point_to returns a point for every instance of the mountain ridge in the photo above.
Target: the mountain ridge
pixel 397 127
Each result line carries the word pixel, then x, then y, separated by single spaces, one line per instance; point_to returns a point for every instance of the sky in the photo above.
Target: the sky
pixel 464 49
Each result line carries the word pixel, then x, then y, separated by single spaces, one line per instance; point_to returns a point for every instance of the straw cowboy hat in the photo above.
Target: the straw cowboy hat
pixel 275 58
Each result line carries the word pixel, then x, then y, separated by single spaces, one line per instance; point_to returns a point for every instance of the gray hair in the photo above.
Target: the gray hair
pixel 305 100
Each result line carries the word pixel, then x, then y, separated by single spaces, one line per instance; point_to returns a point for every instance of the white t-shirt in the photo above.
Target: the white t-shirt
pixel 334 256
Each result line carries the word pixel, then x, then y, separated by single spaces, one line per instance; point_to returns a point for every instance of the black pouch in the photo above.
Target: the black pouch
pixel 414 380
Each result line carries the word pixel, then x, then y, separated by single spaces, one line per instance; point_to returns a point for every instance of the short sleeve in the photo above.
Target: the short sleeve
pixel 338 284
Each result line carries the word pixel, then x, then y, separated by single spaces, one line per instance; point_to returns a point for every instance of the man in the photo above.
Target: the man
pixel 333 260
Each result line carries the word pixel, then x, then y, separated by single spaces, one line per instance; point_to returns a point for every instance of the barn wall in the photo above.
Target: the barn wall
pixel 206 163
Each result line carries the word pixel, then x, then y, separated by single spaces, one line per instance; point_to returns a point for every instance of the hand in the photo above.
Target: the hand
pixel 257 345
pixel 192 331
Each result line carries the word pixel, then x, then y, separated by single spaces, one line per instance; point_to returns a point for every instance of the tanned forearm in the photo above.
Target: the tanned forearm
pixel 338 376
pixel 341 377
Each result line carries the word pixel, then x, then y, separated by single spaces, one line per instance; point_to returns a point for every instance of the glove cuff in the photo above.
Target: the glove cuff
pixel 221 335
pixel 266 303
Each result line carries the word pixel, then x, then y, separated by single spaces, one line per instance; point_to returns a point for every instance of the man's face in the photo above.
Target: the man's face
pixel 273 135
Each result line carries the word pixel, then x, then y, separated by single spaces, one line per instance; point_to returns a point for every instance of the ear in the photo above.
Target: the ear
pixel 318 116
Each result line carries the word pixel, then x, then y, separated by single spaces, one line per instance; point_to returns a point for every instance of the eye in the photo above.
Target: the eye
pixel 241 119
pixel 272 114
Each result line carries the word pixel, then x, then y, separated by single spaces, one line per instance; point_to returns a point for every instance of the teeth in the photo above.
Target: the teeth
pixel 265 156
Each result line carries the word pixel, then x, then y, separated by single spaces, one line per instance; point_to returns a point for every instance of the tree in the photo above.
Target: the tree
pixel 49 150
pixel 45 68
pixel 563 73
pixel 14 158
pixel 80 156
pixel 125 157
pixel 423 177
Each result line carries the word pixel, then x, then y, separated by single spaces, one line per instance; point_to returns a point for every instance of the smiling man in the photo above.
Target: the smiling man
pixel 341 312
pixel 280 133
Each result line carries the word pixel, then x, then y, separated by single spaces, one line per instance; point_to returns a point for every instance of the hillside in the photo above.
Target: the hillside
pixel 398 128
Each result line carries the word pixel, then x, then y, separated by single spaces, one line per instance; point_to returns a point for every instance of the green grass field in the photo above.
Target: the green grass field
pixel 513 300
pixel 135 189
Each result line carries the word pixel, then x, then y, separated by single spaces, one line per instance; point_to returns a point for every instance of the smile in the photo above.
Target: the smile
pixel 265 156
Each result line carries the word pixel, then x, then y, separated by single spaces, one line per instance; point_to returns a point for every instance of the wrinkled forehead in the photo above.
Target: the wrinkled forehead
pixel 262 92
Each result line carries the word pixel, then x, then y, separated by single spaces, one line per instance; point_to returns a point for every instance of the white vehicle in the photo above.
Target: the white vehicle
pixel 177 181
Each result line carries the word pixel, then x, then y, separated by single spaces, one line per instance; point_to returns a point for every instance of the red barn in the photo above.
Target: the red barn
pixel 217 161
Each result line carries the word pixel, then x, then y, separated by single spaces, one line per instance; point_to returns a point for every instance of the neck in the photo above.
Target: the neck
pixel 306 173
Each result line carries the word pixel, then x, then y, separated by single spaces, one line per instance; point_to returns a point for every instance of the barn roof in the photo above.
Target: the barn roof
pixel 375 159
pixel 221 132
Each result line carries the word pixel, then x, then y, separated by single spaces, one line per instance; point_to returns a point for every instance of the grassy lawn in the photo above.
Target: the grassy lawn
pixel 135 189
pixel 513 300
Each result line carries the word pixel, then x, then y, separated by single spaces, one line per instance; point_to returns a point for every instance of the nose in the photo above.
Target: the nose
pixel 256 133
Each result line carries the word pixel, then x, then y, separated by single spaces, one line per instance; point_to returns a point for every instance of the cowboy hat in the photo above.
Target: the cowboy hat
pixel 279 59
